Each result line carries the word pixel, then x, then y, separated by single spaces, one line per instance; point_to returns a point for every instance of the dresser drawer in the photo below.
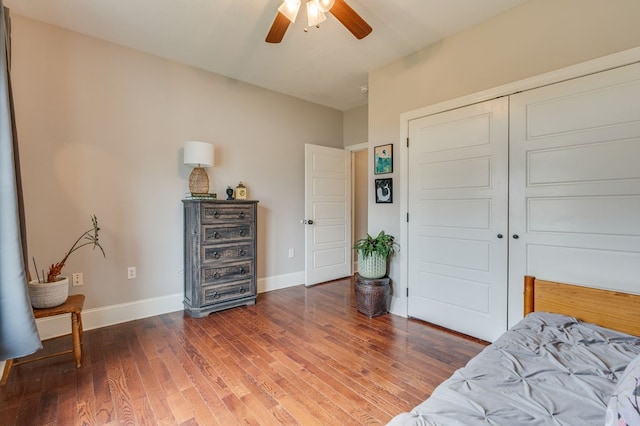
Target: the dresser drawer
pixel 240 270
pixel 219 234
pixel 224 253
pixel 225 213
pixel 219 293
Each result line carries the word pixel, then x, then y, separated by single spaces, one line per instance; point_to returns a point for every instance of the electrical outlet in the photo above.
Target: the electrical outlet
pixel 292 253
pixel 131 272
pixel 76 279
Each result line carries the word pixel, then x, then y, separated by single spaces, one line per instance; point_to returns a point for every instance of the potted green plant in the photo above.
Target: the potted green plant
pixel 51 289
pixel 373 254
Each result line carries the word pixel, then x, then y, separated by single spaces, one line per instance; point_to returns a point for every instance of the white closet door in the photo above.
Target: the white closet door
pixel 457 200
pixel 575 183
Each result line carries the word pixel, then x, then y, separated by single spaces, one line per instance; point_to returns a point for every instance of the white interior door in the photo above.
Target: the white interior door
pixel 575 183
pixel 457 246
pixel 327 214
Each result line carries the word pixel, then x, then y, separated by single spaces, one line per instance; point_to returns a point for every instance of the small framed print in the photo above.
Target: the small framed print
pixel 384 190
pixel 383 159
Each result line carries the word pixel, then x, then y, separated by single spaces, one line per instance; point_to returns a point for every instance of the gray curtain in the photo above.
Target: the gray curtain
pixel 18 332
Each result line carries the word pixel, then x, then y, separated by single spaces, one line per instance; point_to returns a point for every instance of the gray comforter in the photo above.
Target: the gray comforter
pixel 547 370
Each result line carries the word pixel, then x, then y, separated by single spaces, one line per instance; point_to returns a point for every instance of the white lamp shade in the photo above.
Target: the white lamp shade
pixel 198 154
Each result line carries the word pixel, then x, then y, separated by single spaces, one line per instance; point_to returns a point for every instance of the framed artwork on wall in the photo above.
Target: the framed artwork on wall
pixel 383 159
pixel 384 190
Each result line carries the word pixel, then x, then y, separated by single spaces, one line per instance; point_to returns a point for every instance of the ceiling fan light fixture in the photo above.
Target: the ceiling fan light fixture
pixel 324 5
pixel 316 9
pixel 290 8
pixel 314 15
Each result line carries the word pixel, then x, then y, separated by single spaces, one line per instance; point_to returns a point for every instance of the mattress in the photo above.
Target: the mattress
pixel 548 369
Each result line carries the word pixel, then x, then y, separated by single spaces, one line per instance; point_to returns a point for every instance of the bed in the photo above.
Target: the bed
pixel 573 360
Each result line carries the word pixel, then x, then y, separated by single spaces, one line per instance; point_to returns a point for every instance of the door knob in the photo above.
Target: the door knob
pixel 516 236
pixel 499 235
pixel 308 222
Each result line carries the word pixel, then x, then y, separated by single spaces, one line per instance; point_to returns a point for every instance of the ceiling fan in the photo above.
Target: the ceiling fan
pixel 316 10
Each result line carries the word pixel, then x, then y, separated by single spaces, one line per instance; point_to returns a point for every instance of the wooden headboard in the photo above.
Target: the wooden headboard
pixel 611 309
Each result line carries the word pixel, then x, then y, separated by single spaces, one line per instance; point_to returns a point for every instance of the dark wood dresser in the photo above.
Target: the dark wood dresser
pixel 219 255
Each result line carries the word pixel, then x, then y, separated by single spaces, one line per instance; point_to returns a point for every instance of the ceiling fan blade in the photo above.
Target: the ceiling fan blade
pixel 278 28
pixel 350 19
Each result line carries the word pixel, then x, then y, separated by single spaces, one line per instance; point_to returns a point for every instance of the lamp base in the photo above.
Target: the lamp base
pixel 199 181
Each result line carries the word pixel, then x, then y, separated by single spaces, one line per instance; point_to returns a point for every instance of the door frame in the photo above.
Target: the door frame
pixel 355 148
pixel 626 57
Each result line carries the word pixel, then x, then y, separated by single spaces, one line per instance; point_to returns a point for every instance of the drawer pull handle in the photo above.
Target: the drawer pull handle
pixel 241 232
pixel 216 275
pixel 216 255
pixel 241 215
pixel 242 290
pixel 216 295
pixel 242 271
pixel 242 252
pixel 216 214
pixel 216 235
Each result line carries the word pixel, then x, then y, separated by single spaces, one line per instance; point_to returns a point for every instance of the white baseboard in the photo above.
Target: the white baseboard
pixel 110 315
pixel 116 314
pixel 280 281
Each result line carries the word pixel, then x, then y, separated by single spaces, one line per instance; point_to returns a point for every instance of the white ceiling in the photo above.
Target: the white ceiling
pixel 326 65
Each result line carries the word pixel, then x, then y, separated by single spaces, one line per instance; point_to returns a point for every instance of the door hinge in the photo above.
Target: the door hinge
pixel 407 291
pixel 407 142
pixel 407 217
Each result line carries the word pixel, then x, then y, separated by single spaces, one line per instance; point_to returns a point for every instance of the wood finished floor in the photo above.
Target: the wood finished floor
pixel 299 356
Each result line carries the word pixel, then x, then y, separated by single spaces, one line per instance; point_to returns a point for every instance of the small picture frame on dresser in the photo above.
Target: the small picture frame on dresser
pixel 241 192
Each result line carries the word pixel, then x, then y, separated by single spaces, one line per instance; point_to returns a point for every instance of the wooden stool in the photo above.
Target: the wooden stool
pixel 72 306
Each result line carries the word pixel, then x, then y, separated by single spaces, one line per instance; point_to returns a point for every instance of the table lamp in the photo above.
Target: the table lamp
pixel 199 155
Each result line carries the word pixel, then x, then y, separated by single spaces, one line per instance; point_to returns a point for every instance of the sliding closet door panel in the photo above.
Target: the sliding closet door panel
pixel 457 208
pixel 575 183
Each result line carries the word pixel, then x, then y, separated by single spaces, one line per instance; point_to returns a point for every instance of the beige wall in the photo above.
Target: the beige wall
pixel 355 130
pixel 536 37
pixel 101 130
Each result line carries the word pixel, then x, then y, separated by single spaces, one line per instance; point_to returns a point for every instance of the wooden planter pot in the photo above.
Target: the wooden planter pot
pixel 373 296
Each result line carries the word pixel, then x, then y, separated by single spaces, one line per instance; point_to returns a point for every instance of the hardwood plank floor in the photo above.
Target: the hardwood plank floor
pixel 299 356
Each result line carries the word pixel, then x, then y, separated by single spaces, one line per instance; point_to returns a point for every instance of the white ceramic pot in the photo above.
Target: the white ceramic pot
pixel 372 266
pixel 49 295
